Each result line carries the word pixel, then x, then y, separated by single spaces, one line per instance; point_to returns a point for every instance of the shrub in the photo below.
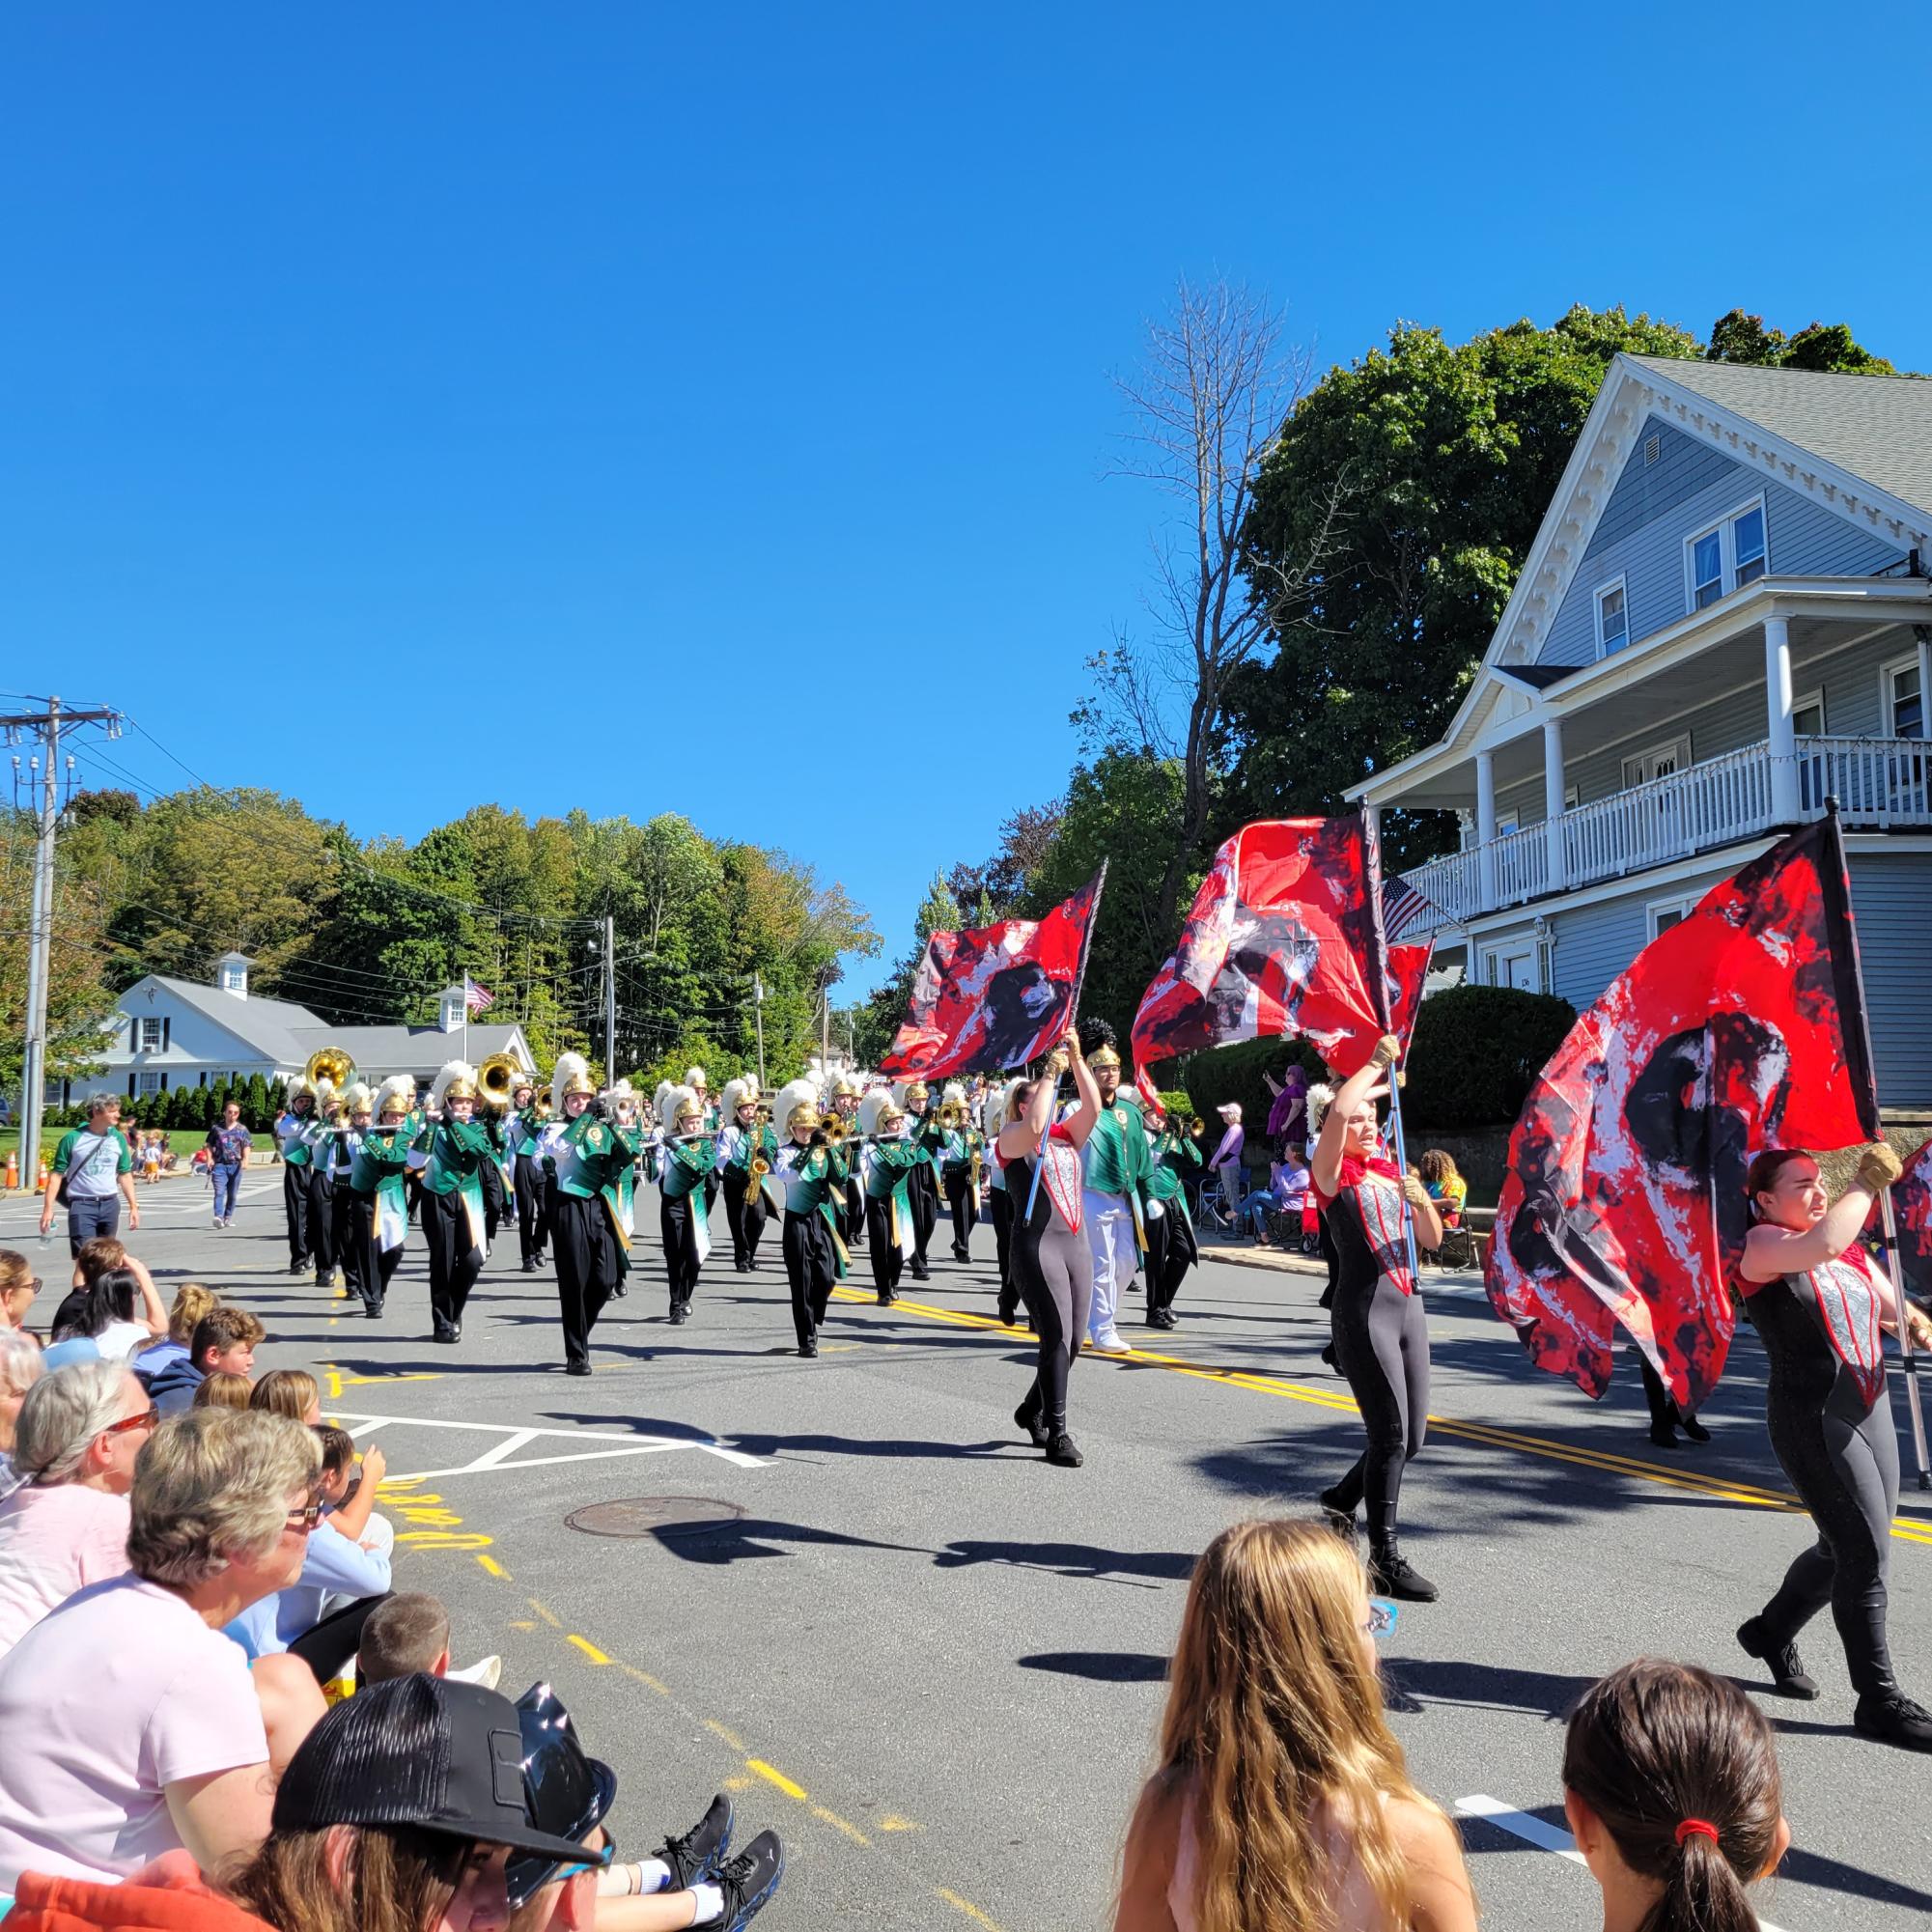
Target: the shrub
pixel 1237 1074
pixel 1476 1051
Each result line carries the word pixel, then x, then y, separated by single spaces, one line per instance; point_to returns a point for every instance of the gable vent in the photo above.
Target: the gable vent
pixel 1653 448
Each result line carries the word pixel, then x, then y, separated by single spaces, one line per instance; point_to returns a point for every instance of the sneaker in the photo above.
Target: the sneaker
pixel 1391 1574
pixel 1894 1720
pixel 749 1880
pixel 1062 1451
pixel 485 1670
pixel 1112 1342
pixel 695 1857
pixel 1789 1677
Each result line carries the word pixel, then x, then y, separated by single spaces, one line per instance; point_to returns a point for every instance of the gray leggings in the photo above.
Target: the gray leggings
pixel 1382 1341
pixel 1054 1272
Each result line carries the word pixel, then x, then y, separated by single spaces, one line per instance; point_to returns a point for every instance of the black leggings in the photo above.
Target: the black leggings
pixel 1382 1342
pixel 1054 1271
pixel 1843 1458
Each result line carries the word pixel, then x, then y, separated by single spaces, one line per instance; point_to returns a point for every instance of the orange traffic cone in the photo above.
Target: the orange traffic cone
pixel 41 1183
pixel 13 1170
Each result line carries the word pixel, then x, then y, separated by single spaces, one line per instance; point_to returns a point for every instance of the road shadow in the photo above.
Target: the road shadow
pixel 757 1443
pixel 1489 1687
pixel 752 1538
pixel 1087 1563
pixel 1099 1666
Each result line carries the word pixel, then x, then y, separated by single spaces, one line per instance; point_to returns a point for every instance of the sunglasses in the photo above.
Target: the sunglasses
pixel 305 1519
pixel 28 1288
pixel 147 1419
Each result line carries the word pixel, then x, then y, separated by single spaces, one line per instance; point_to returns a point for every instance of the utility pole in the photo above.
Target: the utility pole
pixel 758 1016
pixel 609 998
pixel 47 726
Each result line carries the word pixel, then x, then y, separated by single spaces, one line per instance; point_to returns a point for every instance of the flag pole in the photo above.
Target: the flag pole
pixel 1378 974
pixel 1072 1019
pixel 1836 882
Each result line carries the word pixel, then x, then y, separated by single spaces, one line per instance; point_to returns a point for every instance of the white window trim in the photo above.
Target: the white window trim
pixel 1573 796
pixel 1519 946
pixel 1682 906
pixel 1505 824
pixel 1801 702
pixel 1886 673
pixel 1603 589
pixel 140 1026
pixel 1727 561
pixel 1680 744
pixel 147 1084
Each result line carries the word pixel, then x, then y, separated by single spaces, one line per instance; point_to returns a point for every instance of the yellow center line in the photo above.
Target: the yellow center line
pixel 549 1617
pixel 772 1776
pixel 1904 1529
pixel 588 1648
pixel 968 1906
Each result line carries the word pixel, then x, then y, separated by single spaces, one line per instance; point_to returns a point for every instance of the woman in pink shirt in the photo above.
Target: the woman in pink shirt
pixel 65 1526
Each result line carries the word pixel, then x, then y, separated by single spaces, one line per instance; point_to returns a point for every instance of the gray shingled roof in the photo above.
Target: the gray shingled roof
pixel 1877 427
pixel 268 1025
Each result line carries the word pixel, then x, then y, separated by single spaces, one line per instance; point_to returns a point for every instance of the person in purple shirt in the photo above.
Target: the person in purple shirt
pixel 1288 1117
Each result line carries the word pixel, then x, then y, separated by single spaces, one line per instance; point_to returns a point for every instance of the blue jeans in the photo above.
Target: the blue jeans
pixel 226 1181
pixel 90 1215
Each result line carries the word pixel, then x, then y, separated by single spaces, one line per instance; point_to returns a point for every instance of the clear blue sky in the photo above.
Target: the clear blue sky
pixel 729 396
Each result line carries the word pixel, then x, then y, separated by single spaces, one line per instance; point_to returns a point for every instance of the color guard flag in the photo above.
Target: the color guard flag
pixel 1277 946
pixel 993 997
pixel 1623 1204
pixel 1912 1201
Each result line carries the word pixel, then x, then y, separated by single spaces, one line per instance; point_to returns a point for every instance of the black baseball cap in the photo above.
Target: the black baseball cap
pixel 420 1752
pixel 566 1792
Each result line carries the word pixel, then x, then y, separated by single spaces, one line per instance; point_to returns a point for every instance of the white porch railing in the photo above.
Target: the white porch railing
pixel 1879 782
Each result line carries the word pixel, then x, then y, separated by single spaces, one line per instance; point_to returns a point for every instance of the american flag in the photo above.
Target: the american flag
pixel 476 999
pixel 1401 907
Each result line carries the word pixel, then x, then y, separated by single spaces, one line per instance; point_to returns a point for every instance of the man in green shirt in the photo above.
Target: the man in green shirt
pixel 98 1166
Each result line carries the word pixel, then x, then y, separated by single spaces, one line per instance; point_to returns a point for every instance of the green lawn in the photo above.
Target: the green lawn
pixel 182 1139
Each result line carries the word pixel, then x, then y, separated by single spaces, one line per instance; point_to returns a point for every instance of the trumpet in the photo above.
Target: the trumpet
pixel 330 1064
pixel 496 1082
pixel 832 1126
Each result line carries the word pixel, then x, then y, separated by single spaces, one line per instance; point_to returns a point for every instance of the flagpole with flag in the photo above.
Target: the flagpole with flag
pixel 1836 882
pixel 1073 1021
pixel 1378 992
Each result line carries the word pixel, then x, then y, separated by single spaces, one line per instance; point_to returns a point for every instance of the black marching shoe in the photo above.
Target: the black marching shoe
pixel 1029 1418
pixel 677 1314
pixel 1663 1432
pixel 373 1310
pixel 1062 1451
pixel 1391 1574
pixel 749 1880
pixel 443 1333
pixel 960 1253
pixel 1341 1520
pixel 1694 1429
pixel 809 1350
pixel 1894 1719
pixel 697 1855
pixel 1789 1677
pixel 920 1272
pixel 529 1264
pixel 576 1367
pixel 298 1268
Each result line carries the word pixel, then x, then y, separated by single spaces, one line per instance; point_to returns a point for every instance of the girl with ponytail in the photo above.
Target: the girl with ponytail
pixel 1671 1788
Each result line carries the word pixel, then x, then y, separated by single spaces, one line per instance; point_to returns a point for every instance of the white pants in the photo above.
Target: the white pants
pixel 1109 1224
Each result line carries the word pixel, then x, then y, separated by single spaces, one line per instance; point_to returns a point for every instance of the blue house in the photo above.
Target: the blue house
pixel 1724 620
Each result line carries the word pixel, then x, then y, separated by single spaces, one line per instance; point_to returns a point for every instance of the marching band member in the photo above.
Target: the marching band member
pixel 688 1162
pixel 1172 1246
pixel 358 1100
pixel 922 1186
pixel 587 1159
pixel 495 1124
pixel 293 1137
pixel 1000 1203
pixel 847 1095
pixel 526 1171
pixel 324 1142
pixel 453 1151
pixel 888 1158
pixel 1115 1159
pixel 812 1172
pixel 742 1141
pixel 380 1224
pixel 1051 1260
pixel 694 1078
pixel 958 1145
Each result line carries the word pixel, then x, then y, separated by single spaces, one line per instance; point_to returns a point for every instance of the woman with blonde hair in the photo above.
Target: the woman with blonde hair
pixel 293 1392
pixel 1282 1798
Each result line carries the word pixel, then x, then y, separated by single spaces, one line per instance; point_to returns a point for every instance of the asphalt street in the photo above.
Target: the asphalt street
pixel 935 1664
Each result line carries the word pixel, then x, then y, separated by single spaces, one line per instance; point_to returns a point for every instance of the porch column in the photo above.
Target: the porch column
pixel 1785 807
pixel 1553 800
pixel 1486 828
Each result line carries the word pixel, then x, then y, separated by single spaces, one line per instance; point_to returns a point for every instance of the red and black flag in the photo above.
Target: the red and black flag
pixel 1912 1198
pixel 1741 1028
pixel 993 997
pixel 1277 946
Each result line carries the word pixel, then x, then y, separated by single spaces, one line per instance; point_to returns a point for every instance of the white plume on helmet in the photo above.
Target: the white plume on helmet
pixel 953 1094
pixel 738 1093
pixel 621 1092
pixel 694 1076
pixel 298 1086
pixel 357 1096
pixel 570 1076
pixel 453 1073
pixel 1321 1096
pixel 804 1092
pixel 877 1102
pixel 398 1095
pixel 992 1108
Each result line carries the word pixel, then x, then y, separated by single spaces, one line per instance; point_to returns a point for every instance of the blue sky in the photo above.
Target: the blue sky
pixel 604 405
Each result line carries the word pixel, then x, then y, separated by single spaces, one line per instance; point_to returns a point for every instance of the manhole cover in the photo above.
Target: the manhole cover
pixel 655 1516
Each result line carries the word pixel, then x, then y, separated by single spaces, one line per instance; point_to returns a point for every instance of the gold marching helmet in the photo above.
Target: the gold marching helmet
pixel 455 1081
pixel 798 1097
pixel 570 1076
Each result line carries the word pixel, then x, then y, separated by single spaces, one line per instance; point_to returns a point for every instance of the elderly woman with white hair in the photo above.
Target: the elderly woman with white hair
pixel 20 1368
pixel 133 1726
pixel 65 1526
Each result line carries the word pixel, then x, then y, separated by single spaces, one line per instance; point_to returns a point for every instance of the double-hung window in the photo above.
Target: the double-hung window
pixel 1732 552
pixel 1613 619
pixel 1904 700
pixel 150 1036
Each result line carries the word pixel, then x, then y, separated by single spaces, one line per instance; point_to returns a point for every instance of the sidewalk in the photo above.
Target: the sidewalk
pixel 1465 1283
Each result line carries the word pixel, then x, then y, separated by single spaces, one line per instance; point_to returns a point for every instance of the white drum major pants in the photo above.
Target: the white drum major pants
pixel 1109 1224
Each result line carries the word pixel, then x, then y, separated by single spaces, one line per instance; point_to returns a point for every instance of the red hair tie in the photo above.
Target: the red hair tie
pixel 1693 1827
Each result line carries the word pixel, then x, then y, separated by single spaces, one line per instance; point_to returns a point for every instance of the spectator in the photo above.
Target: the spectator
pixel 1671 1788
pixel 403 1634
pixel 219 1390
pixel 1447 1187
pixel 65 1526
pixel 1282 1798
pixel 225 1339
pixel 227 1149
pixel 292 1392
pixel 191 1303
pixel 119 1314
pixel 1288 1117
pixel 18 1285
pixel 93 1172
pixel 132 1725
pixel 20 1368
pixel 97 1255
pixel 689 1882
pixel 400 1814
pixel 1286 1194
pixel 1226 1163
pixel 152 1144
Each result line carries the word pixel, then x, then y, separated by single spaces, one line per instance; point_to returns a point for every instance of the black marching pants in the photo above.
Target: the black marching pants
pixel 296 1206
pixel 680 1249
pixel 958 1198
pixel 533 1223
pixel 888 1264
pixel 347 1211
pixel 744 1213
pixel 495 1198
pixel 1171 1251
pixel 922 1190
pixel 322 1219
pixel 589 1264
pixel 455 1260
pixel 810 1268
pixel 373 1264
